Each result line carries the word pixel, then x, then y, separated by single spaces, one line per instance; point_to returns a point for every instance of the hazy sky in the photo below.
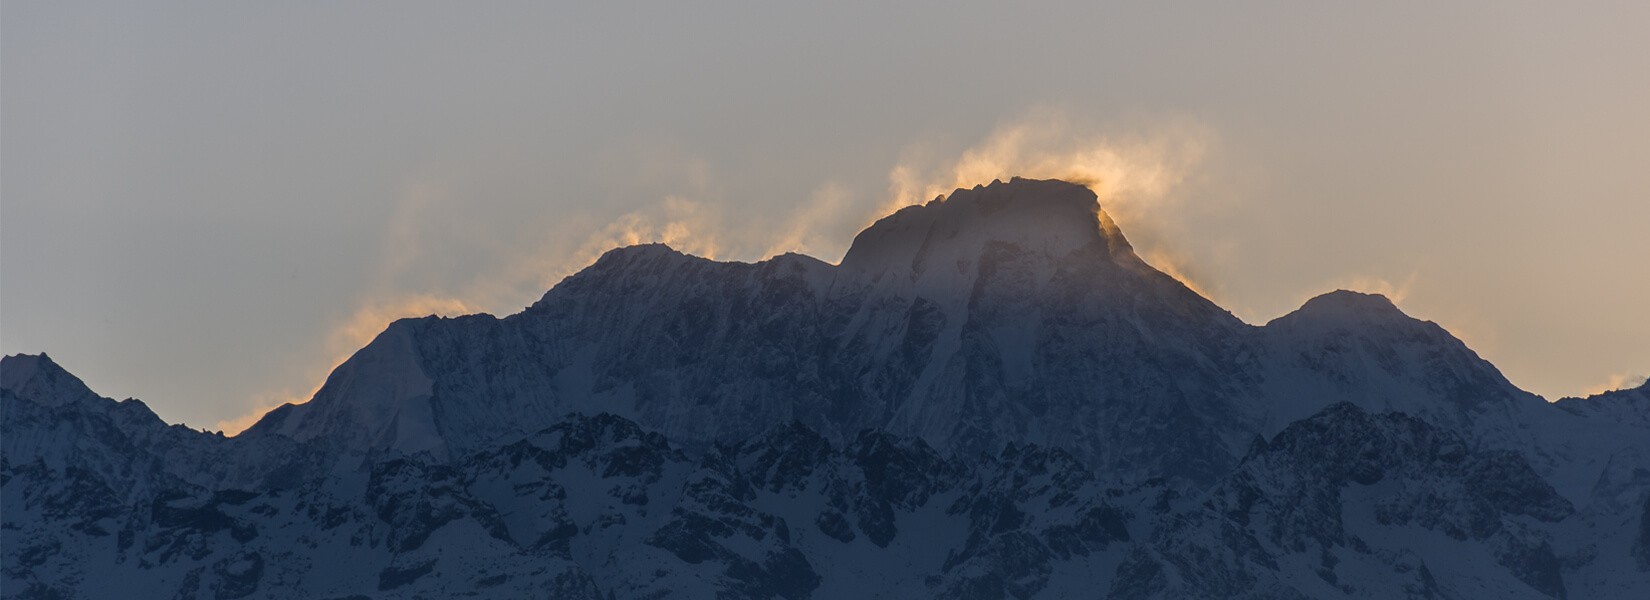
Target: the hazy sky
pixel 208 205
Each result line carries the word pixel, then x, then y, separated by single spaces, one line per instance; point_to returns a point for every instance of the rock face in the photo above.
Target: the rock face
pixel 992 396
pixel 1351 504
pixel 1342 504
pixel 589 507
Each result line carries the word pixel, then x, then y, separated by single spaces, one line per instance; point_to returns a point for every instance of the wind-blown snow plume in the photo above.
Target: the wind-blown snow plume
pixel 1136 176
pixel 1396 292
pixel 347 336
pixel 802 231
pixel 683 224
pixel 1619 381
pixel 1179 267
pixel 1128 172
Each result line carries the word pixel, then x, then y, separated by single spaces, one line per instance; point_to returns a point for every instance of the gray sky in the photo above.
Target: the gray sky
pixel 207 206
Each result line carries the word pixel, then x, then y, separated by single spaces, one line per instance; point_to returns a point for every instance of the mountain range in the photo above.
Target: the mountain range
pixel 991 396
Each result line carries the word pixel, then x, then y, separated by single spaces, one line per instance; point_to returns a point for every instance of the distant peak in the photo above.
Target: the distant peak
pixel 1342 308
pixel 641 258
pixel 1347 300
pixel 1051 216
pixel 38 378
pixel 1630 393
pixel 1344 311
pixel 1346 307
pixel 636 252
pixel 16 370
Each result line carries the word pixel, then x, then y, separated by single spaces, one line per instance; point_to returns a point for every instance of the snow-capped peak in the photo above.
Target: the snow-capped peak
pixel 1348 307
pixel 37 378
pixel 1348 300
pixel 1049 217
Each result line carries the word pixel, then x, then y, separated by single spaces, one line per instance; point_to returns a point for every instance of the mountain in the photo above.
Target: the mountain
pixel 1010 312
pixel 991 396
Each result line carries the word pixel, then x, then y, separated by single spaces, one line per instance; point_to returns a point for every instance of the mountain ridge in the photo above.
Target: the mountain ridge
pixel 999 312
pixel 991 396
pixel 929 309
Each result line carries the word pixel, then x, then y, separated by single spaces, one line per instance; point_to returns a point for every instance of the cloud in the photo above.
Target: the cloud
pixel 1379 285
pixel 1134 176
pixel 1620 381
pixel 675 221
pixel 344 339
pixel 1179 267
pixel 807 229
pixel 370 320
pixel 1130 173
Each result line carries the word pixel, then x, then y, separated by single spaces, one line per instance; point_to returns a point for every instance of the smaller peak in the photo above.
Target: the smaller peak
pixel 16 369
pixel 1344 306
pixel 36 377
pixel 624 263
pixel 638 252
pixel 1626 393
pixel 795 258
pixel 644 258
pixel 1343 300
pixel 793 262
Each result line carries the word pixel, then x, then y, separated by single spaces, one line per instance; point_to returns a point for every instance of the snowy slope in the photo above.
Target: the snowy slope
pixel 50 417
pixel 1349 504
pixel 588 507
pixel 1342 504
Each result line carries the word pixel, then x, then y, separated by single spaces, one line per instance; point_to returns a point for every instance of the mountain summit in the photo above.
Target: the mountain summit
pixel 1050 218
